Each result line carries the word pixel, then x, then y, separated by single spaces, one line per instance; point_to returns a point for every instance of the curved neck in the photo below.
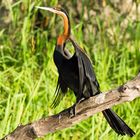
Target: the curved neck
pixel 66 20
pixel 61 40
pixel 65 35
pixel 66 26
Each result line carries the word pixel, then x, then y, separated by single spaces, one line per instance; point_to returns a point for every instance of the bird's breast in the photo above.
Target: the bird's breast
pixel 58 58
pixel 68 69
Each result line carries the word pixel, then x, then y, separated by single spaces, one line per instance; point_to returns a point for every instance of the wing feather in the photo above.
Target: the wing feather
pixel 85 70
pixel 89 73
pixel 60 91
pixel 81 72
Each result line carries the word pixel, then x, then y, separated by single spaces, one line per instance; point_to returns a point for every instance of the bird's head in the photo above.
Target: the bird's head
pixel 60 11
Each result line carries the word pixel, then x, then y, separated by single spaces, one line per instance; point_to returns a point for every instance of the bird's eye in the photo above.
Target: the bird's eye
pixel 55 8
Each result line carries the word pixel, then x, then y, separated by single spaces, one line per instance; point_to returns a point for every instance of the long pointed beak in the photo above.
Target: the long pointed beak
pixel 53 10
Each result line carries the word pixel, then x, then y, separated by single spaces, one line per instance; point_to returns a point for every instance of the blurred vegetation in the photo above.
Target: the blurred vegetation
pixel 107 30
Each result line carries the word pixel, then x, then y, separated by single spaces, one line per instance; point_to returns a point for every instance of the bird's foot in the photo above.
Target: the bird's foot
pixel 72 111
pixel 73 108
pixel 80 100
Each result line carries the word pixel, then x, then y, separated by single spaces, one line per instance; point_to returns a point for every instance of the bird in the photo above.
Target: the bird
pixel 76 73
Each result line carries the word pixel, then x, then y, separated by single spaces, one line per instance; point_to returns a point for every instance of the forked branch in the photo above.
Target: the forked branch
pixel 89 107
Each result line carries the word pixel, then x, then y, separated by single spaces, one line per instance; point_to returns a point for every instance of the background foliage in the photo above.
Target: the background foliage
pixel 107 31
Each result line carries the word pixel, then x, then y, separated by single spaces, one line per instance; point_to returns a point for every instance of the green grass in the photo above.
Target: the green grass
pixel 28 75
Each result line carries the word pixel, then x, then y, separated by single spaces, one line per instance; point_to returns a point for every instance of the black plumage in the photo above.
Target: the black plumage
pixel 77 73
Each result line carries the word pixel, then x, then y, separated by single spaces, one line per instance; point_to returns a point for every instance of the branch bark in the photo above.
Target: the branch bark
pixel 89 107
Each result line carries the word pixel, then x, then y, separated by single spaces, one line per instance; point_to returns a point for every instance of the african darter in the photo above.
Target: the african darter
pixel 76 72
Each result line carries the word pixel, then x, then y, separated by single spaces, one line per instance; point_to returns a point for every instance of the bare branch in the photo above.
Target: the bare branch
pixel 89 107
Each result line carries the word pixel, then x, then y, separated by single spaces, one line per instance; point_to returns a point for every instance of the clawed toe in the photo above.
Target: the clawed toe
pixel 72 111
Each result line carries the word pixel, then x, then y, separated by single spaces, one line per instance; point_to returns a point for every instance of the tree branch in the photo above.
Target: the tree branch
pixel 89 107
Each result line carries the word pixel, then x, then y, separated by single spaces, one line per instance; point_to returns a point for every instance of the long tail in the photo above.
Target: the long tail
pixel 117 124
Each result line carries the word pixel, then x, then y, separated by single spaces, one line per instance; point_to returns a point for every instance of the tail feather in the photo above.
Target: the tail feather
pixel 117 124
